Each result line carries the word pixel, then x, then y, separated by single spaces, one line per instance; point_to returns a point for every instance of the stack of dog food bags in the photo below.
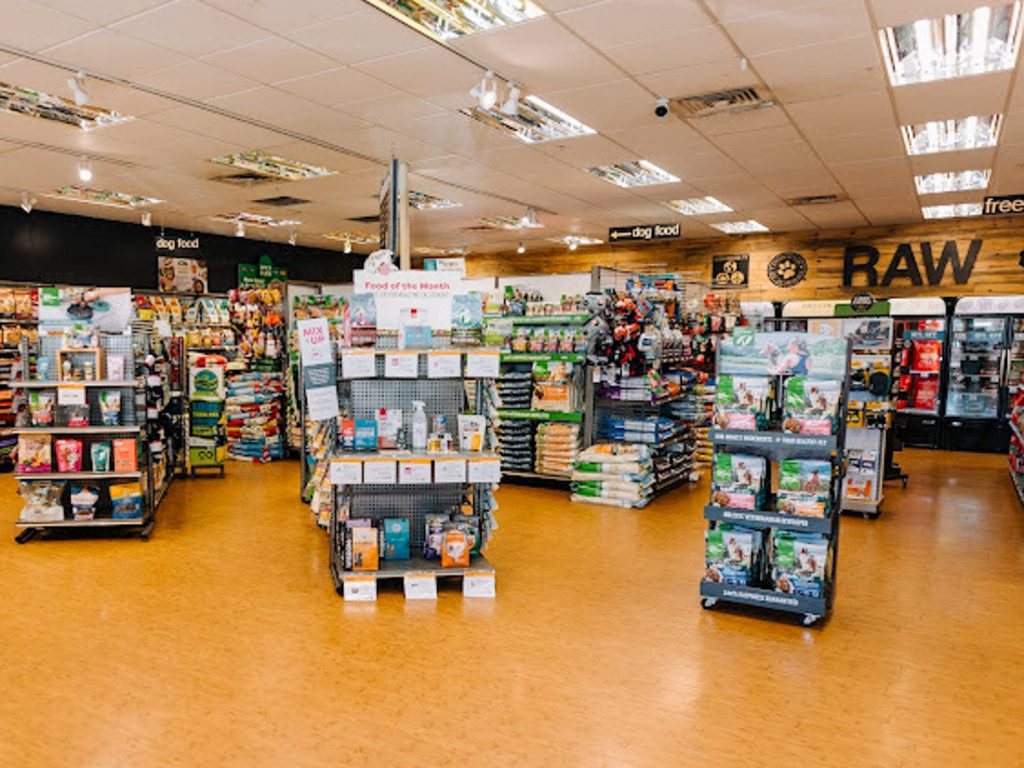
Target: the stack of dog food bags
pixel 515 444
pixel 254 416
pixel 558 445
pixel 615 475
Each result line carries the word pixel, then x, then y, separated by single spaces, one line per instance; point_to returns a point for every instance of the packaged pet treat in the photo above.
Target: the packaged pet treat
pixel 365 551
pixel 126 501
pixel 99 456
pixel 804 487
pixel 811 405
pixel 467 319
pixel 731 554
pixel 455 548
pixel 77 415
pixel 69 454
pixel 365 435
pixel 798 563
pixel 83 501
pixel 42 501
pixel 110 407
pixel 115 368
pixel 396 539
pixel 34 453
pixel 471 432
pixel 389 428
pixel 738 480
pixel 40 407
pixel 741 402
pixel 362 319
pixel 433 538
pixel 125 455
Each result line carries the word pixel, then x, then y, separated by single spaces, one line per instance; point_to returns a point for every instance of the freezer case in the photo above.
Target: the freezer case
pixel 920 350
pixel 975 392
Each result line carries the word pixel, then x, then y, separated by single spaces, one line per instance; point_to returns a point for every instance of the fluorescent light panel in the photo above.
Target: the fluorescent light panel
pixel 103 197
pixel 974 132
pixel 698 206
pixel 985 39
pixel 353 237
pixel 578 239
pixel 421 201
pixel 510 222
pixel 536 121
pixel 446 20
pixel 636 174
pixel 272 166
pixel 951 211
pixel 25 101
pixel 952 181
pixel 740 227
pixel 427 250
pixel 255 220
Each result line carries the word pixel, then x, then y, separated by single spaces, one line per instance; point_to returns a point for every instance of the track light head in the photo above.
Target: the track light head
pixel 147 219
pixel 510 106
pixel 84 170
pixel 293 238
pixel 486 91
pixel 27 202
pixel 521 249
pixel 347 248
pixel 573 245
pixel 79 89
pixel 239 229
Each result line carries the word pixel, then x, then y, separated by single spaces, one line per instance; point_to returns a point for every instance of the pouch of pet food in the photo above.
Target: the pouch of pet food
pixel 729 556
pixel 799 562
pixel 737 480
pixel 741 402
pixel 805 487
pixel 811 405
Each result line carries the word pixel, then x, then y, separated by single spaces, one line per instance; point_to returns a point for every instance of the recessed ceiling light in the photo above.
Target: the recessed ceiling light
pixel 271 166
pixel 421 201
pixel 24 101
pixel 740 227
pixel 255 220
pixel 576 240
pixel 951 211
pixel 981 40
pixel 952 181
pixel 353 237
pixel 698 206
pixel 637 174
pixel 103 197
pixel 451 19
pixel 972 132
pixel 535 121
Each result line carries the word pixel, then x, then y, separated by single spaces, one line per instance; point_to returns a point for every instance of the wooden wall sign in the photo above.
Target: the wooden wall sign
pixel 730 270
pixel 862 261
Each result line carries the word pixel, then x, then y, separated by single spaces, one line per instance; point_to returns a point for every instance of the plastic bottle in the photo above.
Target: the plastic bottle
pixel 419 426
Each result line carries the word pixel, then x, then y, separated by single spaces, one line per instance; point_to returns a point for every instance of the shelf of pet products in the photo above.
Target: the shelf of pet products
pixel 572 318
pixel 777 550
pixel 438 525
pixel 83 458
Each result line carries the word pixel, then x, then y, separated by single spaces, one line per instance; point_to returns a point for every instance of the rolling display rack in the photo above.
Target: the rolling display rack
pixel 776 446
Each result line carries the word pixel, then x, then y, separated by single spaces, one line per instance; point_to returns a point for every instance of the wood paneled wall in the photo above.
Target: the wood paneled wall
pixel 995 271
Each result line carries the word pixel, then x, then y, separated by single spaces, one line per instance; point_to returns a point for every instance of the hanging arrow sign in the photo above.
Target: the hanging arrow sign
pixel 643 232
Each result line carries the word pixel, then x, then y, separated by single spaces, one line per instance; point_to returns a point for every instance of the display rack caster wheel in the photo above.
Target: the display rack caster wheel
pixel 904 483
pixel 810 619
pixel 708 602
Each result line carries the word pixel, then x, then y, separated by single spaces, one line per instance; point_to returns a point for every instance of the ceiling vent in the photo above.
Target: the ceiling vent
pixel 371 219
pixel 732 101
pixel 816 200
pixel 282 201
pixel 245 179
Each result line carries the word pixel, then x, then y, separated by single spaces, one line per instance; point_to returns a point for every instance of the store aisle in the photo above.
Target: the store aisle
pixel 220 642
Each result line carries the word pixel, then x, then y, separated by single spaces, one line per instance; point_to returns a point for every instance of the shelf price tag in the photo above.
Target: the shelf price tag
pixel 414 472
pixel 482 364
pixel 380 471
pixel 420 586
pixel 358 364
pixel 70 394
pixel 449 470
pixel 346 471
pixel 485 470
pixel 362 589
pixel 444 365
pixel 401 365
pixel 478 584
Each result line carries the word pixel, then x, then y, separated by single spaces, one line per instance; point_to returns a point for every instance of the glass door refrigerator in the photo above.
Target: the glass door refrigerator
pixel 919 351
pixel 980 361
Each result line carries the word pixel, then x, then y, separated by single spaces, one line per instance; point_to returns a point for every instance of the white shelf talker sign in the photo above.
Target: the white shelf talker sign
pixel 358 364
pixel 449 470
pixel 362 589
pixel 430 293
pixel 401 365
pixel 70 394
pixel 444 365
pixel 478 584
pixel 484 470
pixel 346 471
pixel 420 586
pixel 483 364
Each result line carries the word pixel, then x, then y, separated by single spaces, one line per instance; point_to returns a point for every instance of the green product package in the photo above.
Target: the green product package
pixel 99 454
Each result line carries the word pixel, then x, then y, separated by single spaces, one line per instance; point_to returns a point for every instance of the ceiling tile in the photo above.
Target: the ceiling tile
pixel 607 106
pixel 190 27
pixel 961 96
pixel 102 13
pixel 113 53
pixel 459 134
pixel 856 147
pixel 269 60
pixel 424 72
pixel 197 80
pixel 242 135
pixel 675 50
pixel 852 113
pixel 954 161
pixel 833 215
pixel 33 27
pixel 744 122
pixel 668 138
pixel 892 12
pixel 698 79
pixel 398 111
pixel 337 87
pixel 369 34
pixel 624 21
pixel 819 71
pixel 286 15
pixel 805 25
pixel 734 10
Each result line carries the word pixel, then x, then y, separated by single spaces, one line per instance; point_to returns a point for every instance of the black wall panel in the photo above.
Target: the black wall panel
pixel 46 247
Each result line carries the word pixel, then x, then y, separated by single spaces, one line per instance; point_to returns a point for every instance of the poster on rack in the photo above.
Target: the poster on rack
pixel 262 275
pixel 782 354
pixel 402 294
pixel 108 310
pixel 319 375
pixel 180 275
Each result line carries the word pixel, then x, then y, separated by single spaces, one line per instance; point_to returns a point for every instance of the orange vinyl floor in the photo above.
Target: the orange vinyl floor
pixel 221 642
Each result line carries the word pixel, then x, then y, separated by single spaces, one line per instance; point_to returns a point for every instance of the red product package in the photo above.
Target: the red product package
pixel 926 394
pixel 69 455
pixel 927 356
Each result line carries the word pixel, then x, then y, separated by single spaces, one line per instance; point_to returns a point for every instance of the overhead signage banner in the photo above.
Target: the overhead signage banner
pixel 181 275
pixel 408 297
pixel 451 264
pixel 1002 205
pixel 643 232
pixel 106 309
pixel 730 271
pixel 262 275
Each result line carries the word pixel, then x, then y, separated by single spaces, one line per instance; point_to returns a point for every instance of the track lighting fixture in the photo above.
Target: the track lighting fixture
pixel 521 249
pixel 529 219
pixel 27 202
pixel 84 170
pixel 239 229
pixel 486 91
pixel 293 238
pixel 744 64
pixel 573 245
pixel 147 219
pixel 347 248
pixel 510 106
pixel 79 89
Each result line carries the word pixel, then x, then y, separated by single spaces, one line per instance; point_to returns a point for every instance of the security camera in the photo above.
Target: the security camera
pixel 661 107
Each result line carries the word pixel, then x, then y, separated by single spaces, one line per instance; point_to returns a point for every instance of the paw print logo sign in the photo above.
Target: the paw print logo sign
pixel 787 269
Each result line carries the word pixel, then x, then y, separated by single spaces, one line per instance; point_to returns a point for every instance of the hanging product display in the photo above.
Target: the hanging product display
pixel 253 414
